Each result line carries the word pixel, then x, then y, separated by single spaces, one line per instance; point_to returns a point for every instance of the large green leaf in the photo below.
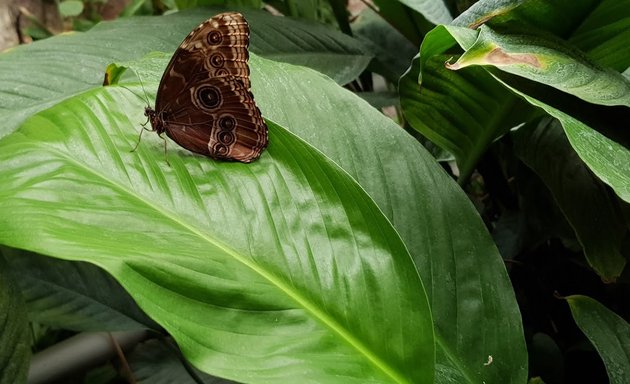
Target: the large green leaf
pixel 73 295
pixel 471 296
pixel 279 269
pixel 37 76
pixel 547 61
pixel 609 333
pixel 153 362
pixel 14 337
pixel 467 141
pixel 433 10
pixel 472 299
pixel 546 150
pixel 462 112
pixel 606 158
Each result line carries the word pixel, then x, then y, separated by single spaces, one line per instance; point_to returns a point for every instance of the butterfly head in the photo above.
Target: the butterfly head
pixel 157 124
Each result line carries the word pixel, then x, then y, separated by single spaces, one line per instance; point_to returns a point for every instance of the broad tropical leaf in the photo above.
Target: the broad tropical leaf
pixel 39 75
pixel 465 277
pixel 73 295
pixel 546 150
pixel 461 269
pixel 286 257
pixel 563 74
pixel 609 333
pixel 14 336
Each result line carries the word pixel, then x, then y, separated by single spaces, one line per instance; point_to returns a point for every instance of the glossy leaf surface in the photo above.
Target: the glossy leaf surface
pixel 14 334
pixel 49 76
pixel 463 273
pixel 609 333
pixel 74 295
pixel 593 212
pixel 549 62
pixel 461 269
pixel 288 251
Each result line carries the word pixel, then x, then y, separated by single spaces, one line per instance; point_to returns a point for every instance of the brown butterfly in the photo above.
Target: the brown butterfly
pixel 204 101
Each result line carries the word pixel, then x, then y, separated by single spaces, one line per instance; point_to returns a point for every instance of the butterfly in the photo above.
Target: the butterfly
pixel 204 102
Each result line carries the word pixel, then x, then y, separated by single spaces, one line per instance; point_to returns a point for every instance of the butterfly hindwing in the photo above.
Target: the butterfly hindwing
pixel 224 123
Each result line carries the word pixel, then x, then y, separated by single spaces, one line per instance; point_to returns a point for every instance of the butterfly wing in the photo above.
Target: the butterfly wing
pixel 204 100
pixel 223 122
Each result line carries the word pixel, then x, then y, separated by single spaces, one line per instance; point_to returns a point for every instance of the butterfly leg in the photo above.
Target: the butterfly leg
pixel 139 138
pixel 165 155
pixel 144 128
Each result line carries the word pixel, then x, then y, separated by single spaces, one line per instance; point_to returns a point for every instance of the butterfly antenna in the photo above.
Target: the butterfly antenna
pixel 146 98
pixel 135 94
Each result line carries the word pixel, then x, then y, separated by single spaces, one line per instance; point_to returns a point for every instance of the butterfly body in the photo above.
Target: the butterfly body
pixel 204 102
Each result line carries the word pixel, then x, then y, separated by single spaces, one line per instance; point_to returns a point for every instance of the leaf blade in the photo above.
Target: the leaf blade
pixel 547 61
pixel 301 300
pixel 547 151
pixel 15 350
pixel 608 332
pixel 39 75
pixel 435 219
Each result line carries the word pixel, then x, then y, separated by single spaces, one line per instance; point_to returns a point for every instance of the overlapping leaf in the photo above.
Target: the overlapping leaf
pixel 283 268
pixel 564 68
pixel 458 262
pixel 464 275
pixel 546 150
pixel 462 112
pixel 39 75
pixel 14 337
pixel 609 333
pixel 549 62
pixel 72 295
pixel 448 108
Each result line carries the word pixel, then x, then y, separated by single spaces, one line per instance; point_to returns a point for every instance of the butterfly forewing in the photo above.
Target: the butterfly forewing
pixel 204 102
